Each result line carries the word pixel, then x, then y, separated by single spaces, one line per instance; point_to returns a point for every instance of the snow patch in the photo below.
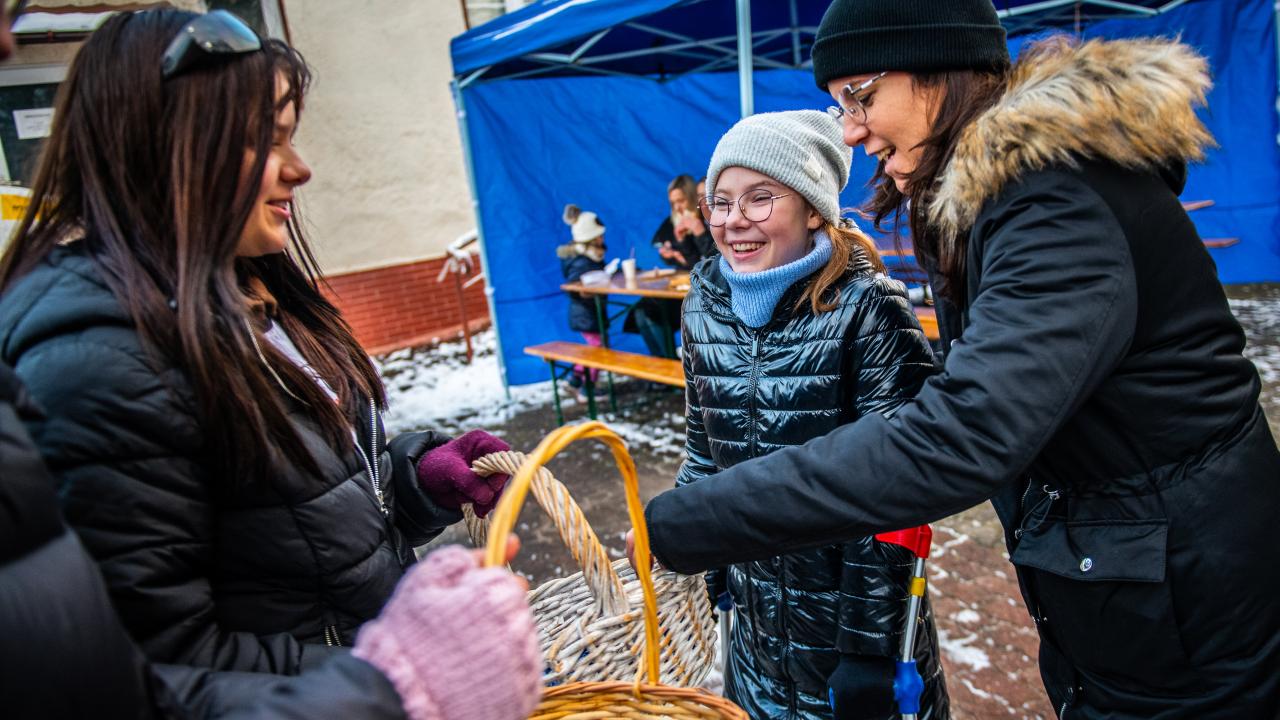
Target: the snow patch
pixel 435 388
pixel 962 652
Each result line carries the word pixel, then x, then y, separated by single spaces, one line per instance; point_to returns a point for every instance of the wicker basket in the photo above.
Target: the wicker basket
pixel 582 635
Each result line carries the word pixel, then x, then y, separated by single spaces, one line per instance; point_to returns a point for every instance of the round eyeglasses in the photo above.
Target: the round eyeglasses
pixel 755 206
pixel 852 101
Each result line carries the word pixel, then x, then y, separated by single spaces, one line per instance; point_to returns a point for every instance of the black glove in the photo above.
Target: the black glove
pixel 862 688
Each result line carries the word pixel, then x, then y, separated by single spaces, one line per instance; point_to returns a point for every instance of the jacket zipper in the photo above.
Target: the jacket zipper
pixel 780 566
pixel 369 464
pixel 1022 510
pixel 331 636
pixel 783 618
pixel 752 434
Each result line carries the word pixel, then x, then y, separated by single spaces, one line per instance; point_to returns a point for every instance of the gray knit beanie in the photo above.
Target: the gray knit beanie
pixel 802 149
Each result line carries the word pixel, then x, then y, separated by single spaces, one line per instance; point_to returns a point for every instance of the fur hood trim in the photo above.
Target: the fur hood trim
pixel 1128 101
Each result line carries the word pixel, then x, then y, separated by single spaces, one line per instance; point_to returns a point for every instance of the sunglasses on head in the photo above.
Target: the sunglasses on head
pixel 212 35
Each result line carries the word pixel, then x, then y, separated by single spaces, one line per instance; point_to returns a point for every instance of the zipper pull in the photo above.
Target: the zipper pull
pixel 755 345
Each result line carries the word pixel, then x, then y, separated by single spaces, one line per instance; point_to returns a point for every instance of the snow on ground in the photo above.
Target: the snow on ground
pixel 1258 309
pixel 961 650
pixel 434 388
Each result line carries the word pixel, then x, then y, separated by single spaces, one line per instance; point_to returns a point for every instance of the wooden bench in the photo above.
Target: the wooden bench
pixel 567 354
pixel 645 367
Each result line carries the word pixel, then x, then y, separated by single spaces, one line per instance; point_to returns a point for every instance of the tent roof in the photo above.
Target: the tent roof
pixel 667 38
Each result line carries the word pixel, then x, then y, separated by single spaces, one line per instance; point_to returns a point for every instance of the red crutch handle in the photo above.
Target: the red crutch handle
pixel 917 539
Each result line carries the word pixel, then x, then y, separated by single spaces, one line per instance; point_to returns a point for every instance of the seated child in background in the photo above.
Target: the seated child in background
pixel 584 254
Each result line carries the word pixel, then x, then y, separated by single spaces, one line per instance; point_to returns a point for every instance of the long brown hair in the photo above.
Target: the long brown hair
pixel 962 95
pixel 686 185
pixel 147 174
pixel 849 245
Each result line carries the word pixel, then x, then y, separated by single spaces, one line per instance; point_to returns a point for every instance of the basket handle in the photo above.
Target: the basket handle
pixel 503 518
pixel 554 499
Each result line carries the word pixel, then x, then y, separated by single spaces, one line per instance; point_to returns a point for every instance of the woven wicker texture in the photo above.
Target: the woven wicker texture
pixel 671 638
pixel 589 623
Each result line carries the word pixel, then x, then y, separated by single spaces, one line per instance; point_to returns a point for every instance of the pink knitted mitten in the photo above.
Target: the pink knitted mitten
pixel 457 641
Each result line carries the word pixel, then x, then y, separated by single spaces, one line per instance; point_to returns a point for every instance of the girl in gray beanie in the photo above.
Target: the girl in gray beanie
pixel 1095 389
pixel 792 331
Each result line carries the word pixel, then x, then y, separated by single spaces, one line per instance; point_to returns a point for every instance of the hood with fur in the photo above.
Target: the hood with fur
pixel 1128 101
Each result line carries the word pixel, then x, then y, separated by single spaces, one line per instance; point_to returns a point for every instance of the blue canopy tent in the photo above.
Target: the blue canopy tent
pixel 601 102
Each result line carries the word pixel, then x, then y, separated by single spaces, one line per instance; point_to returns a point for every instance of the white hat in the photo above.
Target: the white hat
pixel 585 225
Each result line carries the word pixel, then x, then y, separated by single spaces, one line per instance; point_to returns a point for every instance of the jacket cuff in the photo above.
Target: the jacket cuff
pixel 416 514
pixel 657 544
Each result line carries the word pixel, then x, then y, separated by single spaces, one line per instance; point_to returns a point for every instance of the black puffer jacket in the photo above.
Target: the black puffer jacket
pixel 693 247
pixel 226 573
pixel 753 391
pixel 1096 392
pixel 65 655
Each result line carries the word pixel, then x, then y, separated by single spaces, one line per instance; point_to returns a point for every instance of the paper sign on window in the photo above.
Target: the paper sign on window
pixel 34 123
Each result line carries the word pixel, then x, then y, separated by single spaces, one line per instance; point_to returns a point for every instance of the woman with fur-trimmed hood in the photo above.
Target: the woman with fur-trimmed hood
pixel 1094 387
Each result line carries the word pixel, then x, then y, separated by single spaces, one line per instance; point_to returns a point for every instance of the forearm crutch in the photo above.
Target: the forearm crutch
pixel 908 686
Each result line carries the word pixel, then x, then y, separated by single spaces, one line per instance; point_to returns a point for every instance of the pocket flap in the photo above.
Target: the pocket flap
pixel 1132 550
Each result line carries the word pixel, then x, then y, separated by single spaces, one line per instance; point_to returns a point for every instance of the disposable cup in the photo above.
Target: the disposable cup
pixel 629 272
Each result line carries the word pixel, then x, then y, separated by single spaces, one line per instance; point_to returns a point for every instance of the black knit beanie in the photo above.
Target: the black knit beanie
pixel 916 36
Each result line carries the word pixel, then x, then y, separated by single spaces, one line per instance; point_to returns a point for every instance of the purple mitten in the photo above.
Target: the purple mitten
pixel 445 473
pixel 457 641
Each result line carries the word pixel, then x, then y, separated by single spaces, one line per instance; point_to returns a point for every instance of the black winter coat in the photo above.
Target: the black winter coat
pixel 65 654
pixel 1095 391
pixel 751 392
pixel 693 247
pixel 225 573
pixel 582 311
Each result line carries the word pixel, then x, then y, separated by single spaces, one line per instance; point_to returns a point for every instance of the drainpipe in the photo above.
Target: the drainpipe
pixel 1276 8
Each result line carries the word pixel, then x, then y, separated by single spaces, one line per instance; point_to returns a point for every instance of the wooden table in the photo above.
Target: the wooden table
pixel 671 286
pixel 657 284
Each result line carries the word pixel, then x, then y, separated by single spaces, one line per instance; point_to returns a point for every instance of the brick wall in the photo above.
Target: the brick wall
pixel 403 305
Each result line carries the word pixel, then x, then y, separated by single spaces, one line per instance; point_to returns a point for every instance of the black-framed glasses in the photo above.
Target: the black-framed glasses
pixel 755 205
pixel 851 101
pixel 210 35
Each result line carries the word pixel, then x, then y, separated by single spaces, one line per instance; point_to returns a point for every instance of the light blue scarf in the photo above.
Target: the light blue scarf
pixel 755 295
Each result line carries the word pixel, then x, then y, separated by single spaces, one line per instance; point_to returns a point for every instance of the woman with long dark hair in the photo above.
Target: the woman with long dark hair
pixel 1094 387
pixel 213 425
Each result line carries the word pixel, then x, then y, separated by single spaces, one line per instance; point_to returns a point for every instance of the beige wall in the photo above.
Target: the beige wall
pixel 42 54
pixel 380 131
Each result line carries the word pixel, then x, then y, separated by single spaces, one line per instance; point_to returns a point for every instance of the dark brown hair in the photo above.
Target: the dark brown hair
pixel 962 95
pixel 151 177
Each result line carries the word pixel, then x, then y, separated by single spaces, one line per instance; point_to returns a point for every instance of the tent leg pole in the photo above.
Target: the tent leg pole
pixel 1276 9
pixel 469 163
pixel 795 35
pixel 745 59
